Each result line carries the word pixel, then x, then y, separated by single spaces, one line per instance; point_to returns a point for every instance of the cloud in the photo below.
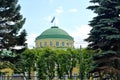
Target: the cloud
pixel 59 10
pixel 31 40
pixel 80 33
pixel 73 10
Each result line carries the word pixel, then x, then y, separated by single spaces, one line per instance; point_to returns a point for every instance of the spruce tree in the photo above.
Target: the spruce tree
pixel 11 35
pixel 11 22
pixel 104 38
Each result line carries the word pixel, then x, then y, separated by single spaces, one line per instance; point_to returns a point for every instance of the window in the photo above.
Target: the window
pixel 40 44
pixel 57 44
pixel 45 44
pixel 51 43
pixel 67 44
pixel 63 44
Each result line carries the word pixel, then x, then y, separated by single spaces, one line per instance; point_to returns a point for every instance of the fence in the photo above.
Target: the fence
pixel 3 77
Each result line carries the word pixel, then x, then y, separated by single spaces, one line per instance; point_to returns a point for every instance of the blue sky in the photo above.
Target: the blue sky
pixel 70 15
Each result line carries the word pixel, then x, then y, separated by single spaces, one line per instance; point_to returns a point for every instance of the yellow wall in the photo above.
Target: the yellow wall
pixel 8 71
pixel 71 43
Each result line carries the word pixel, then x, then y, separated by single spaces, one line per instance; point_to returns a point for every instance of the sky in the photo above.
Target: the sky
pixel 70 15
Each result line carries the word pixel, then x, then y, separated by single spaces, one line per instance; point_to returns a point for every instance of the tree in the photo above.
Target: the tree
pixel 26 63
pixel 59 62
pixel 11 21
pixel 46 64
pixel 72 60
pixel 86 62
pixel 41 68
pixel 63 63
pixel 104 37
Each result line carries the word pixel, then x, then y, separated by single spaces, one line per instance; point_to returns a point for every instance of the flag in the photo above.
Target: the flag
pixel 53 20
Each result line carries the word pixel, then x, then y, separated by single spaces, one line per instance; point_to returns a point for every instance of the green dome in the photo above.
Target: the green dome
pixel 54 32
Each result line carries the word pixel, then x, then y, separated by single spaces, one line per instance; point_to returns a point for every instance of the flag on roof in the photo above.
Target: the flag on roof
pixel 53 20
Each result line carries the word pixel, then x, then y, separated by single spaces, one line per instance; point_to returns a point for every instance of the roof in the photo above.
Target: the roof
pixel 54 32
pixel 6 53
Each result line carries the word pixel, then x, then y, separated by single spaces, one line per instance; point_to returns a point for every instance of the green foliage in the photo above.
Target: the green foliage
pixel 63 62
pixel 60 60
pixel 21 38
pixel 56 63
pixel 86 62
pixel 11 21
pixel 46 64
pixel 26 63
pixel 29 57
pixel 73 60
pixel 50 62
pixel 41 68
pixel 104 37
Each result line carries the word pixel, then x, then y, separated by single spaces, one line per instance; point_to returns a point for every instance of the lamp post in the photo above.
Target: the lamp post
pixel 81 65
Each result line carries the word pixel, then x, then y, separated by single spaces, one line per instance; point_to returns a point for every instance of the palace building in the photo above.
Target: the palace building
pixel 54 37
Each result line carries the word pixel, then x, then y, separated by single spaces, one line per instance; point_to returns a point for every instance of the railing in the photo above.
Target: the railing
pixel 3 77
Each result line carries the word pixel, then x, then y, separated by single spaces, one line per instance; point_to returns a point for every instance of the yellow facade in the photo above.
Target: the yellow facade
pixel 54 43
pixel 8 71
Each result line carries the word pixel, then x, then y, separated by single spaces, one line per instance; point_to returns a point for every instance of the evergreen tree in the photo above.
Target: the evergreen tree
pixel 11 21
pixel 104 37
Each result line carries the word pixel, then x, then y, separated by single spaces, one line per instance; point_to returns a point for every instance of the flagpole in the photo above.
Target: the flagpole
pixel 54 23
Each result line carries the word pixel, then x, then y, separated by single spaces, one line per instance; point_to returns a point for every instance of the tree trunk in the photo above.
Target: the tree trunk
pixel 71 73
pixel 118 76
pixel 25 77
pixel 29 76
